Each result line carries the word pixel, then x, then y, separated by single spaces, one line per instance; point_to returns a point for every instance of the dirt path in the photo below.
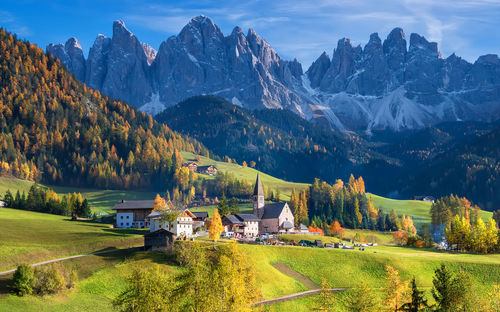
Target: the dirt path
pixel 304 280
pixel 308 293
pixel 72 257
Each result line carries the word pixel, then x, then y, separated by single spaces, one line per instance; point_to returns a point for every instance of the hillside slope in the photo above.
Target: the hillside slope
pixel 279 142
pixel 56 130
pixel 471 169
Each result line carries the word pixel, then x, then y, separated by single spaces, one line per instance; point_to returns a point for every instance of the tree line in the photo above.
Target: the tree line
pixel 348 204
pixel 462 227
pixel 47 201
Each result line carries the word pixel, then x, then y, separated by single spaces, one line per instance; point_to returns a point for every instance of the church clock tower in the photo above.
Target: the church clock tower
pixel 258 198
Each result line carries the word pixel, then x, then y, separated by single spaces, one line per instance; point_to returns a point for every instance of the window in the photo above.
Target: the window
pixel 121 224
pixel 127 217
pixel 121 217
pixel 127 223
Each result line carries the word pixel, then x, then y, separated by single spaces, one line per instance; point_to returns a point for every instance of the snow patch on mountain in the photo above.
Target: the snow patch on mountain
pixel 154 106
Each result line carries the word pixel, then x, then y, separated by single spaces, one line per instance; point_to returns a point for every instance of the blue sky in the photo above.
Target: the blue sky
pixel 295 28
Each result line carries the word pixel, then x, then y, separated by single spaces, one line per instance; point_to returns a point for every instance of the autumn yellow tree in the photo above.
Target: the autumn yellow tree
pixel 396 291
pixel 159 203
pixel 216 227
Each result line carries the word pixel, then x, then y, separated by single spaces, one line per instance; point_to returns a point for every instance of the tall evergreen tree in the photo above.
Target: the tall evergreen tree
pixel 418 301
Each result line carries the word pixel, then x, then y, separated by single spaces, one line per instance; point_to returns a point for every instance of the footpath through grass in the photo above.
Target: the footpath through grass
pixel 29 237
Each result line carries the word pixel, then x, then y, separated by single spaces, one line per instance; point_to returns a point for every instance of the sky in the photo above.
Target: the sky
pixel 299 29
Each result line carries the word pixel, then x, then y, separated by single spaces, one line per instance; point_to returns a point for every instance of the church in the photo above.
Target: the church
pixel 271 218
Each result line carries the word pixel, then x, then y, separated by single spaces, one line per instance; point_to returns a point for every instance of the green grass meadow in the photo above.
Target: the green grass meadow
pixel 28 237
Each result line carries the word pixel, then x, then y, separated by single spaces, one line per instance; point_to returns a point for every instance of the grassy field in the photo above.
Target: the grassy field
pixel 102 278
pixel 249 174
pixel 418 210
pixel 30 237
pixel 244 208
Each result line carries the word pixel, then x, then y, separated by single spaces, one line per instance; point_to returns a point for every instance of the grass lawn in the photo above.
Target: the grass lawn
pixel 249 174
pixel 31 237
pixel 103 278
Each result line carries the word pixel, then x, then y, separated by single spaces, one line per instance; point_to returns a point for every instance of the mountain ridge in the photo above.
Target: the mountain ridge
pixel 383 85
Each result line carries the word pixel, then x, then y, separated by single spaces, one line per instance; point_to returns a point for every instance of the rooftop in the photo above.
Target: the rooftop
pixel 134 204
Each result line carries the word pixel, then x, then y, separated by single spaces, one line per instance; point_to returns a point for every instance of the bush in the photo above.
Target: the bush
pixel 48 280
pixel 23 280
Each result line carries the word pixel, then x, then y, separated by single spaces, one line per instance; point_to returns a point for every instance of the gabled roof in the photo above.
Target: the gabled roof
pixel 200 214
pixel 157 214
pixel 286 225
pixel 134 204
pixel 272 211
pixel 206 167
pixel 303 227
pixel 160 231
pixel 230 219
pixel 258 189
pixel 247 217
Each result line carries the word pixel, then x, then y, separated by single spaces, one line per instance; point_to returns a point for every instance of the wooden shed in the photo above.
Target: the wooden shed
pixel 159 240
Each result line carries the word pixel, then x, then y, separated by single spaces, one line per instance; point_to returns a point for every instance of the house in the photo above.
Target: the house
pixel 243 224
pixel 210 170
pixel 183 226
pixel 275 217
pixel 199 219
pixel 191 166
pixel 428 199
pixel 132 213
pixel 302 229
pixel 158 240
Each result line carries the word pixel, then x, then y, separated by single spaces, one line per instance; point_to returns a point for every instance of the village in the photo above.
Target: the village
pixel 268 220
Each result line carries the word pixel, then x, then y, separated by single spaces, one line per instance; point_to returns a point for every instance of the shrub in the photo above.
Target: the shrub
pixel 48 280
pixel 373 239
pixel 23 279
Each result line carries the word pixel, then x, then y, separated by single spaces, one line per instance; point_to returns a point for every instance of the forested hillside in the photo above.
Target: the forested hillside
pixel 277 142
pixel 56 130
pixel 471 169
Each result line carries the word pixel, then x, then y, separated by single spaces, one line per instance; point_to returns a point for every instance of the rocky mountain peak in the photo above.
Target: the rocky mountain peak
pixel 382 85
pixel 318 69
pixel 418 42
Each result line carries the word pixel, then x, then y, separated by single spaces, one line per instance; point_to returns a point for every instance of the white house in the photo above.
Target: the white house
pixel 132 213
pixel 183 226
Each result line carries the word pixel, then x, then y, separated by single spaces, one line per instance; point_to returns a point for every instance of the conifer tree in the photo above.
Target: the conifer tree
pixel 418 301
pixel 396 291
pixel 223 207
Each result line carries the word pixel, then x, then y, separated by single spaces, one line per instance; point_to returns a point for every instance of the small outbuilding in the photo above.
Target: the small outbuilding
pixel 159 240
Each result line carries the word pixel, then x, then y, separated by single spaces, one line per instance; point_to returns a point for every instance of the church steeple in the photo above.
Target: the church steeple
pixel 258 198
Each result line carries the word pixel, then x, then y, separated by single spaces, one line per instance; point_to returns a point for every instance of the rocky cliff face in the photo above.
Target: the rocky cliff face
pixel 381 85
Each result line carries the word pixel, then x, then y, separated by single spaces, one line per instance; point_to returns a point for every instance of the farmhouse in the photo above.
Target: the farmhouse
pixel 132 213
pixel 428 199
pixel 199 219
pixel 210 170
pixel 191 166
pixel 182 226
pixel 243 224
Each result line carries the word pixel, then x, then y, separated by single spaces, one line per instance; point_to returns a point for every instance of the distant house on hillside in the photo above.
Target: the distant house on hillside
pixel 210 170
pixel 191 166
pixel 132 213
pixel 428 199
pixel 183 226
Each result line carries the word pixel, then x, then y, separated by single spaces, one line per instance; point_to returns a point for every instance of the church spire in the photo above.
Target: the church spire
pixel 258 190
pixel 258 198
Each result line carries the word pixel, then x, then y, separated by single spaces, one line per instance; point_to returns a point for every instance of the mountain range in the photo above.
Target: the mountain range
pixel 383 85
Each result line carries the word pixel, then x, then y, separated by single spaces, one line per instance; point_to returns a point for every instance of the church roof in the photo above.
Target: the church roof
pixel 286 225
pixel 272 211
pixel 258 189
pixel 247 217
